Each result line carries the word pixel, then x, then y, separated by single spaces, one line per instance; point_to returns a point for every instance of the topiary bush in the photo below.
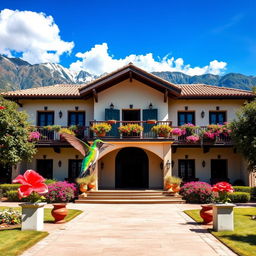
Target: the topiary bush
pixel 12 196
pixel 253 193
pixel 239 197
pixel 61 192
pixel 197 192
pixel 9 187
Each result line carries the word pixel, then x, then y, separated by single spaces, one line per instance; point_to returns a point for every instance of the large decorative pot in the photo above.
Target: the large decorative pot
pixel 83 188
pixel 91 186
pixel 176 188
pixel 32 216
pixel 206 213
pixel 59 212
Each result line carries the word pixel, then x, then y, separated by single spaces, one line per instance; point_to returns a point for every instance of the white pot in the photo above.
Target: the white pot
pixel 32 216
pixel 223 217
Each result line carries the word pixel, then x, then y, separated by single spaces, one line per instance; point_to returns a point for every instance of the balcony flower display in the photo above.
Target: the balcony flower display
pixel 162 130
pixel 189 128
pixel 178 132
pixel 130 129
pixel 209 135
pixel 111 122
pixel 34 136
pixel 192 138
pixel 223 188
pixel 101 129
pixel 66 130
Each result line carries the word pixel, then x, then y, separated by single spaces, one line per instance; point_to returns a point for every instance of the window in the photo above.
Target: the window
pixel 187 169
pixel 76 118
pixel 45 168
pixel 74 168
pixel 217 117
pixel 45 118
pixel 186 117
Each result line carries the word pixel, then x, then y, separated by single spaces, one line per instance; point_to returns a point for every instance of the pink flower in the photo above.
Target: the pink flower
pixel 31 182
pixel 192 138
pixel 222 187
pixel 209 135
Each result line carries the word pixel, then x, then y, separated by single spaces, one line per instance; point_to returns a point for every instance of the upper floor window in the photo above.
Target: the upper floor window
pixel 45 118
pixel 186 117
pixel 218 117
pixel 76 118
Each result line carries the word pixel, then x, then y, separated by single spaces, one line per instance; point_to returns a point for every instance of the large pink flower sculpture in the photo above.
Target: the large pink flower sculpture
pixel 31 182
pixel 222 187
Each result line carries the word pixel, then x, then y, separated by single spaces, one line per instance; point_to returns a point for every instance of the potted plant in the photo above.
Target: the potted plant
pixel 223 214
pixel 59 193
pixel 172 184
pixel 130 129
pixel 34 136
pixel 32 212
pixel 189 128
pixel 162 130
pixel 65 130
pixel 192 138
pixel 101 129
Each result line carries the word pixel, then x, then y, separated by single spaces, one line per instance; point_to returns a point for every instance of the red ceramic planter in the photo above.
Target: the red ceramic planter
pixel 59 212
pixel 206 213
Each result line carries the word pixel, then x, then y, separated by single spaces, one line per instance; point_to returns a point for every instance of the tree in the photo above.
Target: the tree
pixel 244 133
pixel 14 132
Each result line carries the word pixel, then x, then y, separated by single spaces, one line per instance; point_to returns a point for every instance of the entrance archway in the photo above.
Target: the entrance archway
pixel 131 169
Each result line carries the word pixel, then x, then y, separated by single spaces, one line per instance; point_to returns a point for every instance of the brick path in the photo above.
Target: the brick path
pixel 120 230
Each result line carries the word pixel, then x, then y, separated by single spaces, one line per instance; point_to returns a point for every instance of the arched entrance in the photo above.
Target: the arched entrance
pixel 131 169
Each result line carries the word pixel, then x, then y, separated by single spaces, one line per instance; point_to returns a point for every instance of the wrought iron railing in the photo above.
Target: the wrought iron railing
pixel 50 135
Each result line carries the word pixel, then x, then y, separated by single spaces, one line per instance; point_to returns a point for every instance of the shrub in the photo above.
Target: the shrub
pixel 197 192
pixel 60 192
pixel 246 189
pixel 10 217
pixel 9 187
pixel 13 196
pixel 50 181
pixel 253 193
pixel 239 197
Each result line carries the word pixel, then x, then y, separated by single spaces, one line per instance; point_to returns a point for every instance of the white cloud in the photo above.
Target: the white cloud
pixel 34 35
pixel 98 61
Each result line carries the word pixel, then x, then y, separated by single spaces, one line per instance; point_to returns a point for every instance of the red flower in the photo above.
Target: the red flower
pixel 2 107
pixel 222 187
pixel 31 182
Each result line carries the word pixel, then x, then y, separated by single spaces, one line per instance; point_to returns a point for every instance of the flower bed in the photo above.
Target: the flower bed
pixel 10 217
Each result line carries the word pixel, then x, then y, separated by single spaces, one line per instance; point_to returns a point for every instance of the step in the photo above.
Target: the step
pixel 127 201
pixel 126 197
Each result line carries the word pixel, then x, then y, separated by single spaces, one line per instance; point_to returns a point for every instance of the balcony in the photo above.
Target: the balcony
pixel 52 137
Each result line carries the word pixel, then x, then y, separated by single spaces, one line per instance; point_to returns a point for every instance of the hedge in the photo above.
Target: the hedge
pixel 243 189
pixel 12 196
pixel 239 197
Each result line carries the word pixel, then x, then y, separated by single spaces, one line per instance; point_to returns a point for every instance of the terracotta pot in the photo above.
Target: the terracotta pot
pixel 91 186
pixel 168 186
pixel 151 121
pixel 103 134
pixel 59 212
pixel 83 188
pixel 163 135
pixel 206 213
pixel 176 188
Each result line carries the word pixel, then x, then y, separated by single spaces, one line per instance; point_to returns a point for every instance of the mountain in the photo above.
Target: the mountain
pixel 16 74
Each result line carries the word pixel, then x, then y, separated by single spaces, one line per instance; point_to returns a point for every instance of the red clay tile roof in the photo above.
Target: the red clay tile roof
pixel 208 91
pixel 58 90
pixel 187 91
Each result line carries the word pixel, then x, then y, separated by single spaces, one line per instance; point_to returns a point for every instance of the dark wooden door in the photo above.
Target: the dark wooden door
pixel 219 170
pixel 131 169
pixel 45 168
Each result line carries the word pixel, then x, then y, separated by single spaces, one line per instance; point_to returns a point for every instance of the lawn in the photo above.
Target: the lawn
pixel 243 239
pixel 14 242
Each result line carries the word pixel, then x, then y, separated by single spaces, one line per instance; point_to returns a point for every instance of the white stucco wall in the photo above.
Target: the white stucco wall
pixel 128 93
pixel 65 105
pixel 234 162
pixel 230 106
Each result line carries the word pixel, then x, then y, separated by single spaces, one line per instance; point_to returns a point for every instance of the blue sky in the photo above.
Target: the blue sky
pixel 198 32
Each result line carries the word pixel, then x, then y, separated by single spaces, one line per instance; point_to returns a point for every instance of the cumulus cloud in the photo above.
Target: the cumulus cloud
pixel 34 35
pixel 98 61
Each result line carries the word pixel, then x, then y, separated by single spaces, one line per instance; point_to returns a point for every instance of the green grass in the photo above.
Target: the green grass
pixel 243 239
pixel 14 242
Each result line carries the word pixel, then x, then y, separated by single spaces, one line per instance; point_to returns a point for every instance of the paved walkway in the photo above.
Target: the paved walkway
pixel 126 230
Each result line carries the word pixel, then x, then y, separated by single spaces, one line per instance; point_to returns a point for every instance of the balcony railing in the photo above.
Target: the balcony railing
pixel 51 136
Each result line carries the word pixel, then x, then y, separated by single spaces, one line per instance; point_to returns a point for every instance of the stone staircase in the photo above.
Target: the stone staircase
pixel 129 197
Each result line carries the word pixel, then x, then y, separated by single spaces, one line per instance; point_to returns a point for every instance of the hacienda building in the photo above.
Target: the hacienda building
pixel 136 160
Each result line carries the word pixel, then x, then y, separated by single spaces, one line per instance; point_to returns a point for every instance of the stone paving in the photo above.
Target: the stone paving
pixel 125 229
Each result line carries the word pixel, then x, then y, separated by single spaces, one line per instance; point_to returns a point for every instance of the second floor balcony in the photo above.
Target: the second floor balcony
pixel 138 131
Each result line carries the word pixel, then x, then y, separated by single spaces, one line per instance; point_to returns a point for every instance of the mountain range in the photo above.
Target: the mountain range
pixel 16 74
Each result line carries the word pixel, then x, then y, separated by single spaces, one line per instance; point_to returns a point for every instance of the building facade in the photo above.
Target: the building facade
pixel 131 95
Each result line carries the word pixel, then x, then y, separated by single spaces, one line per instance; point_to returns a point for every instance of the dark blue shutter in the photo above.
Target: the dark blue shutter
pixel 149 114
pixel 113 114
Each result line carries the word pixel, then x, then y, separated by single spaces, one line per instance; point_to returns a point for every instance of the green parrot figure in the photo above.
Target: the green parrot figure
pixel 90 152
